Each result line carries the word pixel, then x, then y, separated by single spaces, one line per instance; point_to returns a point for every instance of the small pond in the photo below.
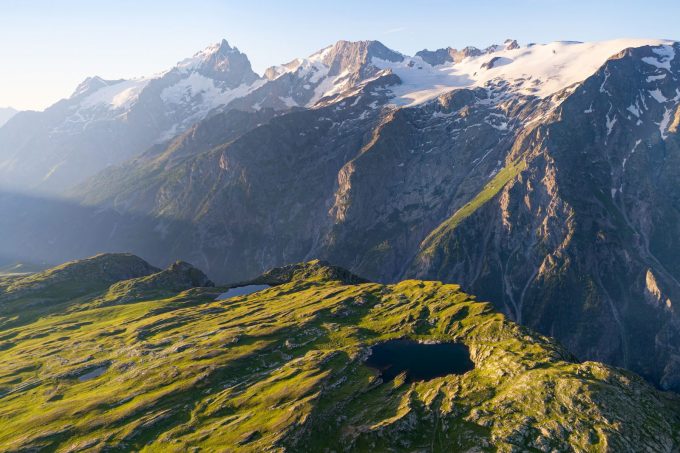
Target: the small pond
pixel 93 373
pixel 242 291
pixel 420 361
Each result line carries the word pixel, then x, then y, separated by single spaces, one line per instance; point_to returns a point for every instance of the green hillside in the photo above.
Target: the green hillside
pixel 283 369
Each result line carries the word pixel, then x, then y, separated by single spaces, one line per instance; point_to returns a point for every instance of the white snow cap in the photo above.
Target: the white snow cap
pixel 540 69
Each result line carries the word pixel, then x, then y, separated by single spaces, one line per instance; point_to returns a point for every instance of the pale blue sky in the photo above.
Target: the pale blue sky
pixel 48 47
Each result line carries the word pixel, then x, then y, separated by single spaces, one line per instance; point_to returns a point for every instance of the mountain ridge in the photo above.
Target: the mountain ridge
pixel 122 118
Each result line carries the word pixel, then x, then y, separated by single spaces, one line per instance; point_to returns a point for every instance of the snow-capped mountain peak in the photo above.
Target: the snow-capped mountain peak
pixel 341 57
pixel 333 70
pixel 202 56
pixel 356 56
pixel 213 51
pixel 220 74
pixel 186 92
pixel 451 55
pixel 220 62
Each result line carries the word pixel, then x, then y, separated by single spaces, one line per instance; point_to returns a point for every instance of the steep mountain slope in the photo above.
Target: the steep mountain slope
pixel 298 154
pixel 286 368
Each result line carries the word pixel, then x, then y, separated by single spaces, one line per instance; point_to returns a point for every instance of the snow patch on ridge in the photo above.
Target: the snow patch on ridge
pixel 666 54
pixel 610 124
pixel 654 78
pixel 196 84
pixel 117 96
pixel 658 96
pixel 203 95
pixel 634 110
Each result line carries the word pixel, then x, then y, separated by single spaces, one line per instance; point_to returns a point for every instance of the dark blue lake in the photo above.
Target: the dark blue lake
pixel 420 361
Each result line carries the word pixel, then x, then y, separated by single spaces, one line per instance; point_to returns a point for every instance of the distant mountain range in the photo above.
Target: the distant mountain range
pixel 543 178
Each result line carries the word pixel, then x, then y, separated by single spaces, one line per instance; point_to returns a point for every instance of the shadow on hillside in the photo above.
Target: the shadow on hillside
pixel 50 231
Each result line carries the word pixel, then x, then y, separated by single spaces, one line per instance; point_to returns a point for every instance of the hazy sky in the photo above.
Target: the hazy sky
pixel 48 47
